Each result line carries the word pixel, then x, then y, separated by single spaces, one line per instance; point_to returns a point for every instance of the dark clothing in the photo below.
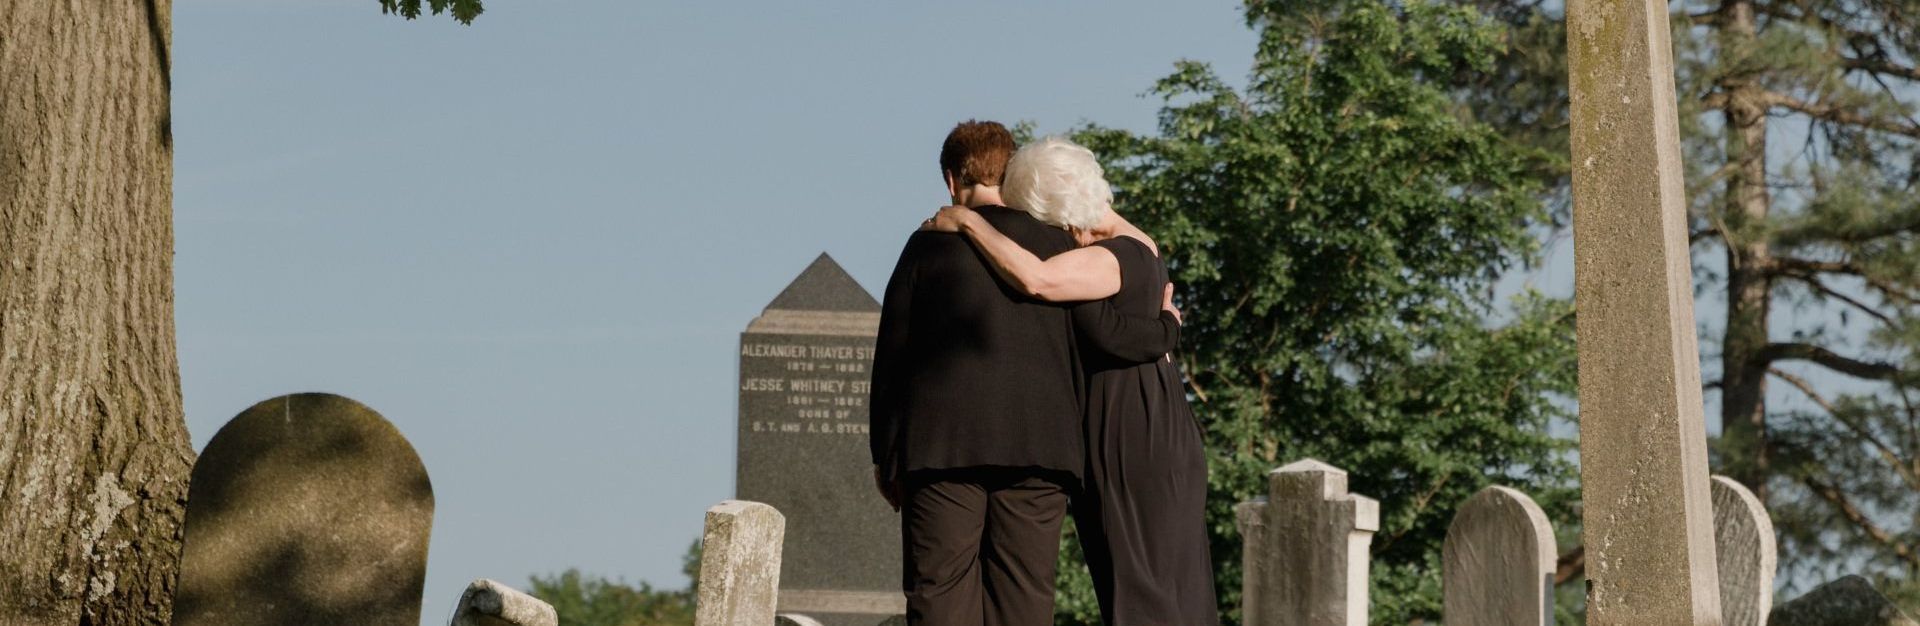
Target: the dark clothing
pixel 976 409
pixel 1141 514
pixel 980 545
pixel 968 372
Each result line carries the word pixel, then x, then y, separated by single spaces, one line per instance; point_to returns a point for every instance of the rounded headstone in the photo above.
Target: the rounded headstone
pixel 305 509
pixel 1744 546
pixel 1498 562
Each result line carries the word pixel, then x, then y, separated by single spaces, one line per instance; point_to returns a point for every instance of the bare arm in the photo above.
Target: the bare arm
pixel 1089 273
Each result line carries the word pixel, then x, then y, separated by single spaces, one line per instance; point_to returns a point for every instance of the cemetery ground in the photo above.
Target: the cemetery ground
pixel 1381 455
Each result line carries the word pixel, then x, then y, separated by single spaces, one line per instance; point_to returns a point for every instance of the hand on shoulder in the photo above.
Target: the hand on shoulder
pixel 950 219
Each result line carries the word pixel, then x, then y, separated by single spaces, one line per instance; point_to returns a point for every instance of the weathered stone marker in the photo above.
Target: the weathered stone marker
pixel 1744 544
pixel 1305 549
pixel 740 564
pixel 490 603
pixel 1498 561
pixel 1849 601
pixel 1643 462
pixel 794 619
pixel 305 509
pixel 805 364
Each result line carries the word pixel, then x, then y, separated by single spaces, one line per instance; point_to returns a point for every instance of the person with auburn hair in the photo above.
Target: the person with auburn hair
pixel 1141 512
pixel 975 405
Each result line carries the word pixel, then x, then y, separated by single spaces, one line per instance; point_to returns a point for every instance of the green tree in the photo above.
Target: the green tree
pixel 1800 136
pixel 1335 229
pixel 586 600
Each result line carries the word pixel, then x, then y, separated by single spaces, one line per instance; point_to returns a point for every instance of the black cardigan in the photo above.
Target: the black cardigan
pixel 968 372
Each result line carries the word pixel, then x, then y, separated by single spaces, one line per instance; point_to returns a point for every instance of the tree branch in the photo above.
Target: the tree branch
pixel 1791 265
pixel 1814 282
pixel 1837 115
pixel 1890 290
pixel 1828 359
pixel 1571 565
pixel 1887 454
pixel 1877 66
pixel 1901 223
pixel 1853 514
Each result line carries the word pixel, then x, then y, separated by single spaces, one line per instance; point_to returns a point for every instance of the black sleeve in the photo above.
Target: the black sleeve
pixel 1126 337
pixel 890 347
pixel 1104 328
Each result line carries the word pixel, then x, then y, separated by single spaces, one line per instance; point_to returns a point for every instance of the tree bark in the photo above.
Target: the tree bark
pixel 1743 411
pixel 94 452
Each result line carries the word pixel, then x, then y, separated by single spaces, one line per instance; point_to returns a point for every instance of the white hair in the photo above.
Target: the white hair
pixel 1058 182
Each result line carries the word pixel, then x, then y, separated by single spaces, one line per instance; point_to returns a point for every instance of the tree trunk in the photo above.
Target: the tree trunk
pixel 1743 395
pixel 93 448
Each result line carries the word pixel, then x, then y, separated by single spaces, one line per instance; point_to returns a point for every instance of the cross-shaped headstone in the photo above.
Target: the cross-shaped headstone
pixel 1648 517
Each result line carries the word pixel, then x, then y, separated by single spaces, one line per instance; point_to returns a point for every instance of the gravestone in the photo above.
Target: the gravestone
pixel 1498 561
pixel 305 509
pixel 490 603
pixel 794 619
pixel 1304 548
pixel 1849 601
pixel 1647 514
pixel 740 564
pixel 1744 544
pixel 804 371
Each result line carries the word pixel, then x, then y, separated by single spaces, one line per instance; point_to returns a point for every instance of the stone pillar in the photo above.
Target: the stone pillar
pixel 1498 562
pixel 1643 463
pixel 740 564
pixel 489 603
pixel 1305 549
pixel 1744 542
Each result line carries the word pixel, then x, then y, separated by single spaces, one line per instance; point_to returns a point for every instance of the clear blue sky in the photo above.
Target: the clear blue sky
pixel 531 242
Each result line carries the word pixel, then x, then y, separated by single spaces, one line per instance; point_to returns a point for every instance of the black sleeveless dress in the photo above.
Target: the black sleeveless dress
pixel 1142 513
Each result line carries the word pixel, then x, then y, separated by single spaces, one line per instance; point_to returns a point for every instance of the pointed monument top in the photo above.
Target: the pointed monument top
pixel 1309 465
pixel 824 286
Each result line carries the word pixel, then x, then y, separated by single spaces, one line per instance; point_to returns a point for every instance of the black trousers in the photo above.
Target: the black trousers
pixel 980 546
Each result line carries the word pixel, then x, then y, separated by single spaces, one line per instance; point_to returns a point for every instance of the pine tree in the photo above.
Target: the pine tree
pixel 1800 137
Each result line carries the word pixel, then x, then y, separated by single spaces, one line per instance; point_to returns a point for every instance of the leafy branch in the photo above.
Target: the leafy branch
pixel 463 10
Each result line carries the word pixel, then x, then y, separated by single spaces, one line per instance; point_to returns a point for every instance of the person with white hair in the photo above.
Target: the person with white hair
pixel 1141 510
pixel 974 410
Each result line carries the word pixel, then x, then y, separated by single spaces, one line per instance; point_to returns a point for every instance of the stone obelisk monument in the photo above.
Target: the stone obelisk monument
pixel 1643 461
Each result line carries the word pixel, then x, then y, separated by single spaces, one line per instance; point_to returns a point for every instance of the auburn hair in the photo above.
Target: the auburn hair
pixel 976 153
